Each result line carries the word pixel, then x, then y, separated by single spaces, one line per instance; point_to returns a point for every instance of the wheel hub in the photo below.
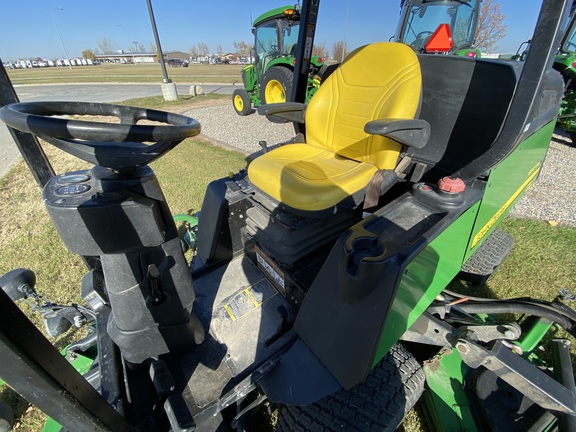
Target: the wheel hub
pixel 275 92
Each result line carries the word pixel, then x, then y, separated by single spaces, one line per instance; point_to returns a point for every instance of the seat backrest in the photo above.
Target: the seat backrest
pixel 380 80
pixel 466 102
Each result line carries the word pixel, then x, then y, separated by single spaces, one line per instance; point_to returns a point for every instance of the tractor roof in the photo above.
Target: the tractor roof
pixel 277 13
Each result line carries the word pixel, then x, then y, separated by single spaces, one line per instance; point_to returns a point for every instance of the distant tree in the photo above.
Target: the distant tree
pixel 153 47
pixel 105 45
pixel 491 27
pixel 339 51
pixel 193 51
pixel 202 48
pixel 242 48
pixel 88 54
pixel 140 48
pixel 219 50
pixel 320 50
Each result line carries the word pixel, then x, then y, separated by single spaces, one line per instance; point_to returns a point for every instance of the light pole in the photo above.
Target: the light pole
pixel 5 52
pixel 135 47
pixel 128 40
pixel 58 31
pixel 168 87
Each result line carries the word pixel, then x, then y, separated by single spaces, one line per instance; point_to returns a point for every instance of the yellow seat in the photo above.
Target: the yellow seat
pixel 338 160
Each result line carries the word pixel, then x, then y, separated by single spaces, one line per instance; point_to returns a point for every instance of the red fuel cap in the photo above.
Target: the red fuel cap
pixel 451 184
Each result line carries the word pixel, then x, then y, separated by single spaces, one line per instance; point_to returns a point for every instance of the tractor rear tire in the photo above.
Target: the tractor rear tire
pixel 276 85
pixel 379 403
pixel 241 102
pixel 487 258
pixel 6 417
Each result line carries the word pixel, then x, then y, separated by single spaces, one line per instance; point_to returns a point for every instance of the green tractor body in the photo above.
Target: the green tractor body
pixel 269 78
pixel 565 63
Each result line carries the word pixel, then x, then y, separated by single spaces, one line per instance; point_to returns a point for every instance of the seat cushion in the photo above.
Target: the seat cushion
pixel 307 177
pixel 377 81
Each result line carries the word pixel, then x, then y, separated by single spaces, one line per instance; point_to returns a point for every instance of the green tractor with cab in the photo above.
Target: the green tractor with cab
pixel 269 78
pixel 439 26
pixel 565 63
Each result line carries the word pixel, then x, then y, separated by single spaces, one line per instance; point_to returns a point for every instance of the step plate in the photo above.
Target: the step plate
pixel 240 307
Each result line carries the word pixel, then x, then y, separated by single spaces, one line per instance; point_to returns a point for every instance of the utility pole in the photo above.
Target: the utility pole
pixel 168 87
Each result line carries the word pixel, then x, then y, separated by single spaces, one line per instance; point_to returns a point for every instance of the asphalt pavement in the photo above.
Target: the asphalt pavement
pixel 101 93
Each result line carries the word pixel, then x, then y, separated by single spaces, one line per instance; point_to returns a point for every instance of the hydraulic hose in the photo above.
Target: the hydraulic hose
pixel 504 306
pixel 560 308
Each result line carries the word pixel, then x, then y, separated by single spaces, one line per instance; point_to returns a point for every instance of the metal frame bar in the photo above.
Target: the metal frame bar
pixel 303 54
pixel 33 367
pixel 28 144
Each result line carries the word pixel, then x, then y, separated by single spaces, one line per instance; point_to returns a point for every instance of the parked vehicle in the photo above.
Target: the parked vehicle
pixel 174 62
pixel 269 78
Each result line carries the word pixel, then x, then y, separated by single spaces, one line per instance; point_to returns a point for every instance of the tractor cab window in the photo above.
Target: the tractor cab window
pixel 425 16
pixel 569 45
pixel 266 42
pixel 290 31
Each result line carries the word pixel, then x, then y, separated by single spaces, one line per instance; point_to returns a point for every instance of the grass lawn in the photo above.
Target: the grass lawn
pixel 127 73
pixel 543 261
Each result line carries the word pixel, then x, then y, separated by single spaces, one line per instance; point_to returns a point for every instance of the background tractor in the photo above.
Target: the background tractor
pixel 269 78
pixel 565 63
pixel 452 23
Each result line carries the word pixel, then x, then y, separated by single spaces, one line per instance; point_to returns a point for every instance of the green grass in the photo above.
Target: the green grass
pixel 126 73
pixel 543 261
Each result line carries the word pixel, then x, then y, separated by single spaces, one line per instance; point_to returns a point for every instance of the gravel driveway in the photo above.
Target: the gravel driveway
pixel 551 198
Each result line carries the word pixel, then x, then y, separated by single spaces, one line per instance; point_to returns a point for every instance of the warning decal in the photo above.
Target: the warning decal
pixel 247 300
pixel 271 270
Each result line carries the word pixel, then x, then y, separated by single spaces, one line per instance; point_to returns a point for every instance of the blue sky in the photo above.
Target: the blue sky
pixel 27 27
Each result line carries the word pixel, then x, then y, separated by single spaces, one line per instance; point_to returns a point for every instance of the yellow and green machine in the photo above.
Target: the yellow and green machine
pixel 565 63
pixel 321 281
pixel 268 78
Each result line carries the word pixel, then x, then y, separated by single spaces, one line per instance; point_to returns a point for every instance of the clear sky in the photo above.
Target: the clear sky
pixel 29 28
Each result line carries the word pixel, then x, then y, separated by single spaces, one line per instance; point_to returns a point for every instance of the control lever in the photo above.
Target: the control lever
pixel 155 292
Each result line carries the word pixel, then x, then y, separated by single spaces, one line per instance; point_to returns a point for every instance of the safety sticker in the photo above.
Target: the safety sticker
pixel 271 270
pixel 248 299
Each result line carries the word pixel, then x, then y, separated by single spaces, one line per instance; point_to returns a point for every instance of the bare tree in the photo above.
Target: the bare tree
pixel 339 51
pixel 320 50
pixel 153 47
pixel 193 51
pixel 491 27
pixel 202 48
pixel 242 48
pixel 219 50
pixel 140 48
pixel 88 54
pixel 105 45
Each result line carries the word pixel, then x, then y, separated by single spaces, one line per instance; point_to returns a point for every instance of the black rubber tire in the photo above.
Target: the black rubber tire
pixel 379 403
pixel 6 417
pixel 280 74
pixel 241 102
pixel 487 258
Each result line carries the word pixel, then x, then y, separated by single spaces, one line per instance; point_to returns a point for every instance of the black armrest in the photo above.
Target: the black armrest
pixel 291 111
pixel 410 132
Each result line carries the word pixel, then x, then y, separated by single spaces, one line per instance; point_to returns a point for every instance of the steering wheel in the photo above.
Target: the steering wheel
pixel 119 146
pixel 420 40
